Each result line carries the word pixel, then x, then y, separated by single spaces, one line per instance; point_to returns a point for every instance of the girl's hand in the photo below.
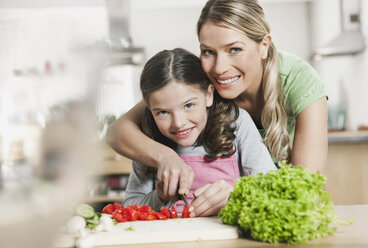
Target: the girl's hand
pixel 210 198
pixel 175 176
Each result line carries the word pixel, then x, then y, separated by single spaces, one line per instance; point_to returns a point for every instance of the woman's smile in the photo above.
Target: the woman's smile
pixel 226 82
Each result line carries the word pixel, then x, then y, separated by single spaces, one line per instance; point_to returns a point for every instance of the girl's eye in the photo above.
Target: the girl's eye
pixel 207 52
pixel 162 113
pixel 189 106
pixel 235 50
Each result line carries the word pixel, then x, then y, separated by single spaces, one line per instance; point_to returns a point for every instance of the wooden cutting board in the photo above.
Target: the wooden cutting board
pixel 172 230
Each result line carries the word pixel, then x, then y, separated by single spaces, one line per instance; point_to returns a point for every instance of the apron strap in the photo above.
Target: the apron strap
pixel 241 170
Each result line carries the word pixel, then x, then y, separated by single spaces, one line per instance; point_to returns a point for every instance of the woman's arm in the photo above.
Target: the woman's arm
pixel 126 138
pixel 310 146
pixel 140 189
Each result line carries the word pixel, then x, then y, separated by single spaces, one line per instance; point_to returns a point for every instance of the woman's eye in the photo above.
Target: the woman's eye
pixel 207 52
pixel 235 50
pixel 189 106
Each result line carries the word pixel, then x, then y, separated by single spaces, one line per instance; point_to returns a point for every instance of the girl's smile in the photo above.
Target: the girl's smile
pixel 182 134
pixel 180 111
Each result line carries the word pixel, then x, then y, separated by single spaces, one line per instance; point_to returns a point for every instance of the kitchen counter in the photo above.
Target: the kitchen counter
pixel 355 235
pixel 336 137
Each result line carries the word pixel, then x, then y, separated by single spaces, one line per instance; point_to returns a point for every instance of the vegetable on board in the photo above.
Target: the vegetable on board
pixel 132 213
pixel 288 205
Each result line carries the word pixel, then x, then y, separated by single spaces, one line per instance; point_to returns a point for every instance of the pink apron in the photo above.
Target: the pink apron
pixel 209 172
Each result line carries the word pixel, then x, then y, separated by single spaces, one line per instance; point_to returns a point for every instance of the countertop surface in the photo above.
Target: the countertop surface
pixel 348 137
pixel 354 235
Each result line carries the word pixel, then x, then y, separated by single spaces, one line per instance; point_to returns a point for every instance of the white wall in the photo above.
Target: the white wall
pixel 39 65
pixel 30 37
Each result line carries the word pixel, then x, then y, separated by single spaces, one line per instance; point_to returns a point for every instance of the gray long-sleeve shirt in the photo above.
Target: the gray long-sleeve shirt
pixel 252 155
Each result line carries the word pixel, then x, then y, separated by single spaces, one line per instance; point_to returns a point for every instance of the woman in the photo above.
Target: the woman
pixel 282 93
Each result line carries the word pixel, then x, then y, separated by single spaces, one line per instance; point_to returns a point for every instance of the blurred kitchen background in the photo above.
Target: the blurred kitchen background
pixel 56 52
pixel 36 37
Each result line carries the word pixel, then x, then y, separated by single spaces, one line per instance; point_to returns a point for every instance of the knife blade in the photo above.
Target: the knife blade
pixel 184 199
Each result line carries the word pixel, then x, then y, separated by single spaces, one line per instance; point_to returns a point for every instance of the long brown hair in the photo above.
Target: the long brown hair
pixel 180 65
pixel 248 17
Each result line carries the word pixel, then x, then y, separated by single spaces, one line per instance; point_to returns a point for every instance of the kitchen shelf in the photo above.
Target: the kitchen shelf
pixel 335 137
pixel 114 167
pixel 112 163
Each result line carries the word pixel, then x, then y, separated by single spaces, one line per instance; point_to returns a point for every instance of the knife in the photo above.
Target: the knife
pixel 183 198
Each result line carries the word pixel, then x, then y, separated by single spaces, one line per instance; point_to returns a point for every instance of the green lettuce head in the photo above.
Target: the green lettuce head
pixel 287 205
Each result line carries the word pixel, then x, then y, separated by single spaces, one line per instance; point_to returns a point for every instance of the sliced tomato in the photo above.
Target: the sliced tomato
pixel 131 213
pixel 165 212
pixel 174 214
pixel 108 209
pixel 147 217
pixel 119 217
pixel 145 209
pixel 159 216
pixel 185 212
pixel 118 207
pixel 134 206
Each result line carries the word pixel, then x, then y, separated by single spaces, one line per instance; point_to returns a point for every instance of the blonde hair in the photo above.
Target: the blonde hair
pixel 248 17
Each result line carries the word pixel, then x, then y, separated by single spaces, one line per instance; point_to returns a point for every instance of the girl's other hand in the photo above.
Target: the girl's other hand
pixel 173 173
pixel 210 198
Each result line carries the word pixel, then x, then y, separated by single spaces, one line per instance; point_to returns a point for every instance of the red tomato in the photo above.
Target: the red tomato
pixel 108 209
pixel 131 213
pixel 159 216
pixel 119 217
pixel 165 212
pixel 185 212
pixel 118 206
pixel 134 206
pixel 174 214
pixel 147 217
pixel 145 209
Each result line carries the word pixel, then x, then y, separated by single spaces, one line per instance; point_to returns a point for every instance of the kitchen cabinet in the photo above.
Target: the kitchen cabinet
pixel 113 168
pixel 347 167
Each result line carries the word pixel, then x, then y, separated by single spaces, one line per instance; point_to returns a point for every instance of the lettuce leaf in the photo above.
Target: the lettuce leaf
pixel 288 205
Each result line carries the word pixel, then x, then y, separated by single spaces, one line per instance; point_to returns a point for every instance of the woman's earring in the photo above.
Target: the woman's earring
pixel 264 55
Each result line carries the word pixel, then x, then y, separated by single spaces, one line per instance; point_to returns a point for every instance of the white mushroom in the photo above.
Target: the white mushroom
pixel 106 222
pixel 75 224
pixel 86 241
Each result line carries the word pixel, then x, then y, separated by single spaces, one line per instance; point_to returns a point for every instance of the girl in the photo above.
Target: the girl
pixel 216 139
pixel 283 95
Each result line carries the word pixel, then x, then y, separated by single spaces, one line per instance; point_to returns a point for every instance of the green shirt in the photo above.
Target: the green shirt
pixel 302 87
